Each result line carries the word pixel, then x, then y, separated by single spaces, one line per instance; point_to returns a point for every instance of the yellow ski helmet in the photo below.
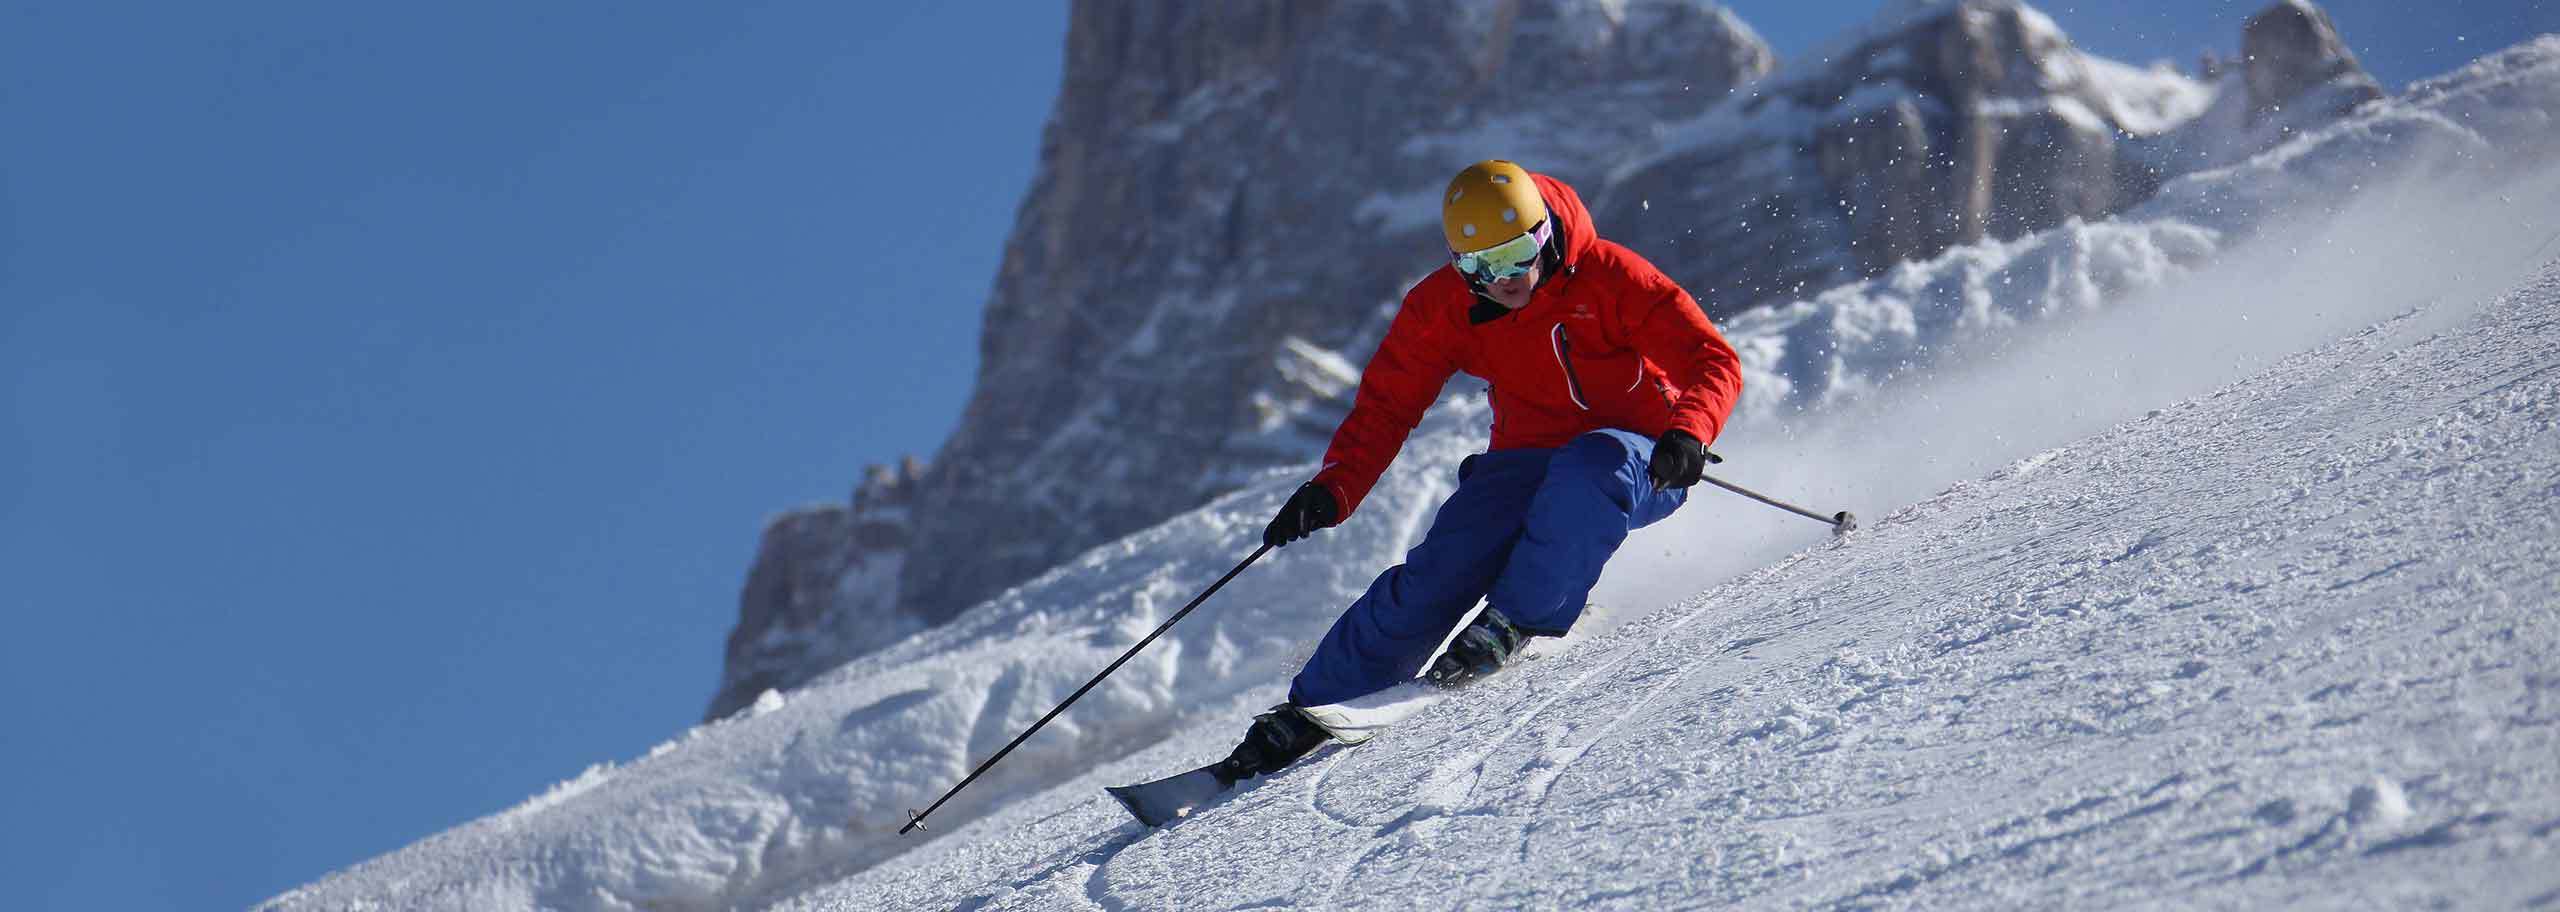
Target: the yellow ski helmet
pixel 1490 202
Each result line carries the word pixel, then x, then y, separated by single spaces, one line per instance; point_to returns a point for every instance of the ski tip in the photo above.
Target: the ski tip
pixel 1172 798
pixel 1127 795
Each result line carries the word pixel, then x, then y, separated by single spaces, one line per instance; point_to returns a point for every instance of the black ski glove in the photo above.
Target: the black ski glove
pixel 1678 460
pixel 1310 509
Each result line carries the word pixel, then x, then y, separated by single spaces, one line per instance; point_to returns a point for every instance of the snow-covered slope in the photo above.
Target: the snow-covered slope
pixel 2290 643
pixel 807 788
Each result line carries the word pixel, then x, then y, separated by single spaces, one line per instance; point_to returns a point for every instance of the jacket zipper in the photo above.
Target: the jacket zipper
pixel 1564 359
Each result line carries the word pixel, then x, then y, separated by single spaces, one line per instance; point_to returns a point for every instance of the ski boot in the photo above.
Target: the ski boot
pixel 1481 649
pixel 1278 738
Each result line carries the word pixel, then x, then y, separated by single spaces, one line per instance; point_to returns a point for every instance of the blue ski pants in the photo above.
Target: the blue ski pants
pixel 1527 530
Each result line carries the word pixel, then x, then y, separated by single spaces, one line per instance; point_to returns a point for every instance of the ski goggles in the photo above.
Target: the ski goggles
pixel 1507 259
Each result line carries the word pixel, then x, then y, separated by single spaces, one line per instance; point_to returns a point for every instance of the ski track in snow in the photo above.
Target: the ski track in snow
pixel 2292 642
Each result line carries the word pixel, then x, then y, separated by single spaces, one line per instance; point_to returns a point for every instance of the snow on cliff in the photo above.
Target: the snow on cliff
pixel 2260 646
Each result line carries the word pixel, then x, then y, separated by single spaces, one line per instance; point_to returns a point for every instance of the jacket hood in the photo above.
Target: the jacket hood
pixel 1573 220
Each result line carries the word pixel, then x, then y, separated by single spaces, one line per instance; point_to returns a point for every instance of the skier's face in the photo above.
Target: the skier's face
pixel 1513 292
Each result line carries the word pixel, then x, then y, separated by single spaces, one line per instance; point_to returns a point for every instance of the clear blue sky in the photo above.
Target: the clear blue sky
pixel 395 393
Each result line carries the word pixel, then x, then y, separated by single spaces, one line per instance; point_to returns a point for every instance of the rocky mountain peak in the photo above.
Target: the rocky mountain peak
pixel 1934 124
pixel 1983 122
pixel 2292 56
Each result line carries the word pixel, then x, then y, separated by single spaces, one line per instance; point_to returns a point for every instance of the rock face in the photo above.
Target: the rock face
pixel 2293 58
pixel 823 589
pixel 1996 131
pixel 1232 196
pixel 1937 125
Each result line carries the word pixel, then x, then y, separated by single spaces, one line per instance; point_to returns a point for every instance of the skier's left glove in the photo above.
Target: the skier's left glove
pixel 1678 460
pixel 1310 509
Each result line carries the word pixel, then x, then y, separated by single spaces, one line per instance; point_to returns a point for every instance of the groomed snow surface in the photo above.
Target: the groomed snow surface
pixel 2227 579
pixel 2289 643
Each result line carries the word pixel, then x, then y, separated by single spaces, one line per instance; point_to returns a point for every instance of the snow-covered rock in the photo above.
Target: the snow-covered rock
pixel 822 590
pixel 2294 60
pixel 2491 119
pixel 1933 125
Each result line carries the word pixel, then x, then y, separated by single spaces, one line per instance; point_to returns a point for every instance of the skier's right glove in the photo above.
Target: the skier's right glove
pixel 1310 509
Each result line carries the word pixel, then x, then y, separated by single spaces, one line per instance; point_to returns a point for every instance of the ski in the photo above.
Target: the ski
pixel 1360 719
pixel 1162 801
pixel 1171 798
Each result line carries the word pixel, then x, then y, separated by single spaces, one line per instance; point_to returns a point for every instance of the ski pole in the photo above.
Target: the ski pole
pixel 915 818
pixel 1842 523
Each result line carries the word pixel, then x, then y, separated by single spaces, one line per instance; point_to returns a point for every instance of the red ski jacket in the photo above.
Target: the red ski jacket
pixel 1607 341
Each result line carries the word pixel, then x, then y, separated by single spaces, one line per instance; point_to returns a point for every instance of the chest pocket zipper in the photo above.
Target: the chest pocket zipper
pixel 1564 359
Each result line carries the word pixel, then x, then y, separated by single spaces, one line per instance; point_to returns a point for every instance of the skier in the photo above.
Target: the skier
pixel 1607 384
